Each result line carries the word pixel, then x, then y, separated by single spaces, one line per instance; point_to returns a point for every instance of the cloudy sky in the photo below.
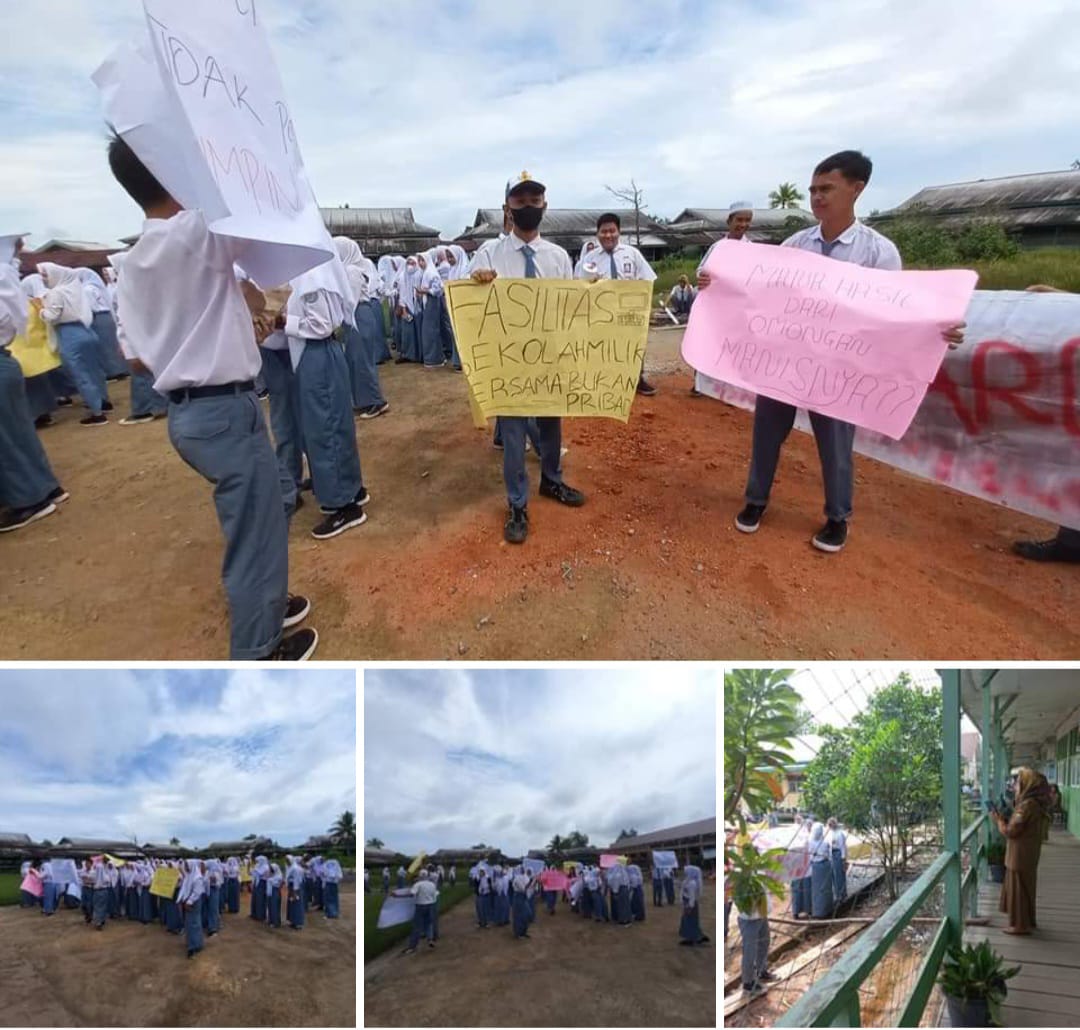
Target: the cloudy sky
pixel 201 755
pixel 434 106
pixel 511 757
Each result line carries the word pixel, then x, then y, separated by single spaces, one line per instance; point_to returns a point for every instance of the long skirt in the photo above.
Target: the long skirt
pixel 637 903
pixel 81 355
pixel 114 902
pixel 521 915
pixel 361 350
pixel 330 900
pixel 839 876
pixel 193 927
pixel 112 358
pixel 48 898
pixel 204 911
pixel 213 909
pixel 132 904
pixel 1018 898
pixel 431 333
pixel 502 909
pixel 174 919
pixel 658 893
pixel 690 925
pixel 258 902
pixel 585 902
pixel 101 906
pixel 233 891
pixel 821 899
pixel 320 901
pixel 621 906
pixel 409 343
pixel 273 905
pixel 599 907
pixel 382 351
pixel 40 395
pixel 800 896
pixel 145 913
pixel 88 902
pixel 294 910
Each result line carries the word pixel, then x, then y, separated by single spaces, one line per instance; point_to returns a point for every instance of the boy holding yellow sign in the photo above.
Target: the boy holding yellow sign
pixel 522 254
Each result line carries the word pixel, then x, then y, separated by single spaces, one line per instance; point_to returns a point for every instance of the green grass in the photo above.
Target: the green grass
pixel 378 941
pixel 1058 266
pixel 9 888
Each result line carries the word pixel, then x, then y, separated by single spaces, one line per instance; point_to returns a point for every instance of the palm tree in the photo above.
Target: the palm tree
pixel 344 830
pixel 374 842
pixel 174 841
pixel 761 715
pixel 786 195
pixel 555 848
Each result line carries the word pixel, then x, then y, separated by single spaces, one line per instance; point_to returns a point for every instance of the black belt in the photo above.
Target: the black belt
pixel 195 392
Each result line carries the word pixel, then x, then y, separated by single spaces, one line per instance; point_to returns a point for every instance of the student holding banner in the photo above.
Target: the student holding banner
pixel 837 182
pixel 364 337
pixel 186 321
pixel 616 260
pixel 523 254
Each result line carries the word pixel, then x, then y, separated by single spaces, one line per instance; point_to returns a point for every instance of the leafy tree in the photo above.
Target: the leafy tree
pixel 627 833
pixel 761 715
pixel 882 774
pixel 480 847
pixel 174 841
pixel 250 836
pixel 374 842
pixel 1075 166
pixel 577 839
pixel 786 195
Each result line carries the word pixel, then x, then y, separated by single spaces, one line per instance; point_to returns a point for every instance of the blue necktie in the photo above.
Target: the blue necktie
pixel 827 248
pixel 530 263
pixel 614 270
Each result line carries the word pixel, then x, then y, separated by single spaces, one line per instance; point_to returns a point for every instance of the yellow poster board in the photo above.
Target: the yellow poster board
pixel 416 863
pixel 245 874
pixel 118 862
pixel 551 347
pixel 32 350
pixel 164 882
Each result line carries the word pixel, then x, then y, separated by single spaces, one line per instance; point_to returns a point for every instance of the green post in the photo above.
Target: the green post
pixel 950 798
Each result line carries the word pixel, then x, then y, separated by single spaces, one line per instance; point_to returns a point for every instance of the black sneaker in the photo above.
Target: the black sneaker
pixel 44 420
pixel 767 977
pixel 298 647
pixel 832 536
pixel 338 522
pixel 57 496
pixel 517 526
pixel 645 388
pixel 16 518
pixel 106 405
pixel 94 420
pixel 749 519
pixel 561 492
pixel 136 420
pixel 296 610
pixel 262 394
pixel 1046 550
pixel 361 499
pixel 374 411
pixel 63 402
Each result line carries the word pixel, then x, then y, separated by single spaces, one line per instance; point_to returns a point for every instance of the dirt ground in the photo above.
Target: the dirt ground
pixel 58 971
pixel 569 972
pixel 651 567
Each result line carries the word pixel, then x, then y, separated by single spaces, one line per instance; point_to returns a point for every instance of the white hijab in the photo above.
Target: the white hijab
pixel 352 257
pixel 408 279
pixel 191 881
pixel 33 286
pixel 95 287
pixel 66 291
pixel 461 269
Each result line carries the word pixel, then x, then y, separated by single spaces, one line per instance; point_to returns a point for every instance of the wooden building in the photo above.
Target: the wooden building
pixel 380 230
pixel 69 253
pixel 693 843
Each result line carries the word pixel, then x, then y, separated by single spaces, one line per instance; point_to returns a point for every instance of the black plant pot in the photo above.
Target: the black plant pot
pixel 968 1012
pixel 997 874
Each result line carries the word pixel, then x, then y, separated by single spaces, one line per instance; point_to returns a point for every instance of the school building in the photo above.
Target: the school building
pixel 693 843
pixel 380 230
pixel 1025 717
pixel 701 227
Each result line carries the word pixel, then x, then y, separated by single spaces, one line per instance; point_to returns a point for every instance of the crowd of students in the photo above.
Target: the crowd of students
pixel 205 890
pixel 513 895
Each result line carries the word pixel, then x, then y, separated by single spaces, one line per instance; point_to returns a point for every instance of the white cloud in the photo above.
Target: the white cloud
pixel 512 757
pixel 435 106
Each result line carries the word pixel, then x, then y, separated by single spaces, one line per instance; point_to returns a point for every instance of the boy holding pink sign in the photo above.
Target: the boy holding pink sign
pixel 835 187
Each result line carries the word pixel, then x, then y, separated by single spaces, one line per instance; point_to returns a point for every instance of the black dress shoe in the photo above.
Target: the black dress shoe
pixel 1046 550
pixel 517 526
pixel 561 492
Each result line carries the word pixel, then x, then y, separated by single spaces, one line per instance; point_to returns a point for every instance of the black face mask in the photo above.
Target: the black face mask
pixel 527 218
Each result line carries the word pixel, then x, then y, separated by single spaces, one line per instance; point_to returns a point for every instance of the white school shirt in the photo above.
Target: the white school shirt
pixel 314 316
pixel 484 248
pixel 425 892
pixel 630 263
pixel 858 244
pixel 185 317
pixel 838 841
pixel 506 259
pixel 12 305
pixel 713 246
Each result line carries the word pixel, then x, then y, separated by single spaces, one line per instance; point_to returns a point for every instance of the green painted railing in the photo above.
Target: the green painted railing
pixel 834 999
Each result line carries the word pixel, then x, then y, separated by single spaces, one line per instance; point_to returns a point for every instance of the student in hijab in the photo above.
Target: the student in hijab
pixel 259 876
pixel 35 351
pixel 409 311
pixel 430 290
pixel 192 889
pixel 519 906
pixel 294 885
pixel 104 325
pixel 50 894
pixel 232 884
pixel 128 908
pixel 362 338
pixel 550 897
pixel 484 897
pixel 1023 833
pixel 28 489
pixel 389 267
pixel 619 885
pixel 821 874
pixel 86 881
pixel 331 878
pixel 637 893
pixel 320 305
pixel 99 884
pixel 668 875
pixel 657 887
pixel 215 877
pixel 838 859
pixel 30 890
pixel 501 888
pixel 426 894
pixel 273 895
pixel 690 924
pixel 401 877
pixel 174 916
pixel 66 307
pixel 458 262
pixel 146 876
pixel 319 895
pixel 146 403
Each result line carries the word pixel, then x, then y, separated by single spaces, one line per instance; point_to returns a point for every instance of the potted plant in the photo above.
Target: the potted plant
pixel 973 980
pixel 995 859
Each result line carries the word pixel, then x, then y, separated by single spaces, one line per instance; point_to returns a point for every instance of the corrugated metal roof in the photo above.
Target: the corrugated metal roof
pixel 72 245
pixel 96 845
pixel 387 222
pixel 236 845
pixel 700 828
pixel 14 840
pixel 1055 191
pixel 562 221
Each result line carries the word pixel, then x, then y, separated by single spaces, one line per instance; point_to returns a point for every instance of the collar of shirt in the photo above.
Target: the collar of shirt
pixel 847 237
pixel 519 243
